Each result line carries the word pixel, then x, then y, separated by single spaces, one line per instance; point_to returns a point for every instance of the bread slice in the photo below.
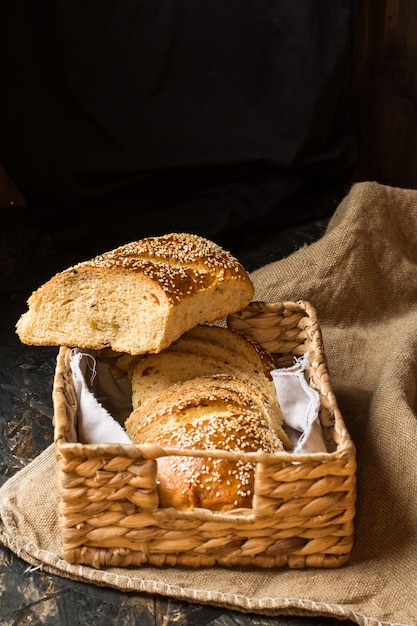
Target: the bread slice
pixel 205 388
pixel 191 346
pixel 217 341
pixel 155 372
pixel 138 298
pixel 203 415
pixel 261 359
pixel 203 393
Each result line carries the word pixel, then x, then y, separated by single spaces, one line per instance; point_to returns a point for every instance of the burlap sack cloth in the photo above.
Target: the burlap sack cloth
pixel 362 279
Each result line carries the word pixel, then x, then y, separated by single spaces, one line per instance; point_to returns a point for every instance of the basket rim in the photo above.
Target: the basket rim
pixel 283 505
pixel 345 446
pixel 151 451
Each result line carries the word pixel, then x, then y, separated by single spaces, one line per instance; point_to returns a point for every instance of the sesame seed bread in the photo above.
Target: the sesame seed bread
pixel 261 359
pixel 138 298
pixel 214 341
pixel 155 372
pixel 219 386
pixel 231 348
pixel 201 351
pixel 204 393
pixel 204 414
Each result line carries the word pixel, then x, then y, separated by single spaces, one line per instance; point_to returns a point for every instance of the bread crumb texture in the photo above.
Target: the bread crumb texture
pixel 138 298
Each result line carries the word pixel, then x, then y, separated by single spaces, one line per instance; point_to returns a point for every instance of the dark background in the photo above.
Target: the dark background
pixel 151 116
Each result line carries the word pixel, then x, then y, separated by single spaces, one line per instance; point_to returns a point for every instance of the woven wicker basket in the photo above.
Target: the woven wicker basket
pixel 303 504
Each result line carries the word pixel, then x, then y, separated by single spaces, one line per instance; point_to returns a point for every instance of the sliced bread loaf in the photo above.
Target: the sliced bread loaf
pixel 204 415
pixel 155 372
pixel 208 389
pixel 138 298
pixel 254 353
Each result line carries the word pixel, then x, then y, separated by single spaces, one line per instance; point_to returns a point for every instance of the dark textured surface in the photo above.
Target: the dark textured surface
pixel 28 257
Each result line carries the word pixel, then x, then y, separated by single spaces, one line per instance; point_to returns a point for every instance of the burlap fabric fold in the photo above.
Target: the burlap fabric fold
pixel 361 276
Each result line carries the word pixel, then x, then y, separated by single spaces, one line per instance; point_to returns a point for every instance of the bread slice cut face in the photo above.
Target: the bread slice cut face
pixel 138 298
pixel 257 357
pixel 227 387
pixel 205 351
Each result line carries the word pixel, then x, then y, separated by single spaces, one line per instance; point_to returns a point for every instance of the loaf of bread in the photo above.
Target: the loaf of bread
pixel 203 351
pixel 206 413
pixel 236 388
pixel 259 359
pixel 138 298
pixel 211 389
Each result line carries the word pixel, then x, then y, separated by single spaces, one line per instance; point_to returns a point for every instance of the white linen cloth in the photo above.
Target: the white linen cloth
pixel 95 424
pixel 300 406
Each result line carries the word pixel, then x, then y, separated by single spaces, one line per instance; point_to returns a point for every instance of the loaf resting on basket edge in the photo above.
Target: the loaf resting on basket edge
pixel 200 404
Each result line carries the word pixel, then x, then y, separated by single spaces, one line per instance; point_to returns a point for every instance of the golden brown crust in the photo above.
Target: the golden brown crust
pixel 244 345
pixel 214 412
pixel 181 263
pixel 138 298
pixel 215 484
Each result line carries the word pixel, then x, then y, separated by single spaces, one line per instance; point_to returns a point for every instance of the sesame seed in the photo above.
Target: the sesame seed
pixel 180 262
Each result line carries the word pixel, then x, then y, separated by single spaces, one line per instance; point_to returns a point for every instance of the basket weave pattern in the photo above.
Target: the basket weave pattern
pixel 303 506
